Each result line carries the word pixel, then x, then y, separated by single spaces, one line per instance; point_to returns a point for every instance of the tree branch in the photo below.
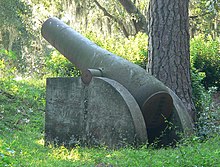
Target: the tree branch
pixel 138 18
pixel 106 13
pixel 196 16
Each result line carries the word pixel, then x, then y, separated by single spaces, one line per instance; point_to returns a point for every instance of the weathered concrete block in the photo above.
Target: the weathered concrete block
pixel 100 113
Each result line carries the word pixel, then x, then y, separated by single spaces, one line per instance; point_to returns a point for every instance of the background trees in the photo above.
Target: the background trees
pixel 14 34
pixel 204 17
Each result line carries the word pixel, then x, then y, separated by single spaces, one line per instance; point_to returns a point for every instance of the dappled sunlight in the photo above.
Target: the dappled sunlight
pixel 63 153
pixel 108 156
pixel 40 142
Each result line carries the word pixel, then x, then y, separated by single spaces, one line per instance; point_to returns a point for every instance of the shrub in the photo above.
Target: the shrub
pixel 205 57
pixel 207 113
pixel 58 65
pixel 133 48
pixel 205 72
pixel 7 61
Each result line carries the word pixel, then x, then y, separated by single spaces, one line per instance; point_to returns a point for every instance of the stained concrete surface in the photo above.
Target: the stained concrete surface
pixel 100 113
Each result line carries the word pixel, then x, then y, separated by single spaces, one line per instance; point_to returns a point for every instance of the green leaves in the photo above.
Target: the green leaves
pixel 58 65
pixel 12 11
pixel 133 48
pixel 204 17
pixel 213 5
pixel 205 57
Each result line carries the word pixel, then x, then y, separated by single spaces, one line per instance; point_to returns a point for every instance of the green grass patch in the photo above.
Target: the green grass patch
pixel 22 106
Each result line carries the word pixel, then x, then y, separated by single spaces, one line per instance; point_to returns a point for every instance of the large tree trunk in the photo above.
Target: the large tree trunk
pixel 169 55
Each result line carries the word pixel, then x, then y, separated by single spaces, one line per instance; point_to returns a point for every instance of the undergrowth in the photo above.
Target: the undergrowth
pixel 22 106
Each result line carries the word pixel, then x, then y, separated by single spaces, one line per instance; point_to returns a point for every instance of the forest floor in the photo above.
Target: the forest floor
pixel 22 106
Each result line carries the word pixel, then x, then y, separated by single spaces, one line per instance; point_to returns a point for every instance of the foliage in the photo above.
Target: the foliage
pixel 58 65
pixel 7 60
pixel 22 131
pixel 12 15
pixel 205 57
pixel 205 72
pixel 133 48
pixel 14 32
pixel 208 114
pixel 204 17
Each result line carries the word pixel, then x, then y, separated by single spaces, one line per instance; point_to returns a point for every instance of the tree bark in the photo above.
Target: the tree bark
pixel 169 54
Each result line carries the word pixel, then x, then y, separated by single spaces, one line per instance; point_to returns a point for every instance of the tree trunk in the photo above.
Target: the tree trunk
pixel 169 55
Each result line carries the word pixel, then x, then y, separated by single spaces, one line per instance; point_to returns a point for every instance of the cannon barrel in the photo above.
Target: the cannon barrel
pixel 153 97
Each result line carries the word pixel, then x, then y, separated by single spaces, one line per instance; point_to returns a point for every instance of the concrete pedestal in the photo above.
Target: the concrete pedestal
pixel 100 113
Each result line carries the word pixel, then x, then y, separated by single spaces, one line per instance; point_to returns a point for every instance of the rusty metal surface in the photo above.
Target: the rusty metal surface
pixel 89 73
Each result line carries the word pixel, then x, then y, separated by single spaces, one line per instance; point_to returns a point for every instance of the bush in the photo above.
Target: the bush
pixel 58 65
pixel 205 72
pixel 205 57
pixel 207 113
pixel 7 61
pixel 134 48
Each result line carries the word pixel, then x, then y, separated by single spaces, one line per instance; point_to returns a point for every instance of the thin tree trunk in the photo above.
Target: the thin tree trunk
pixel 169 55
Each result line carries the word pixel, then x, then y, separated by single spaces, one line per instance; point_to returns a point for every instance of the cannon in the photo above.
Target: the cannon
pixel 150 105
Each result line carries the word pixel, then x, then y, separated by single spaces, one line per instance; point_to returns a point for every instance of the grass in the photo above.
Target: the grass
pixel 22 106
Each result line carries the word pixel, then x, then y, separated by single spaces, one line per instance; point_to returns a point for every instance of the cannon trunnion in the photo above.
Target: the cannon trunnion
pixel 113 103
